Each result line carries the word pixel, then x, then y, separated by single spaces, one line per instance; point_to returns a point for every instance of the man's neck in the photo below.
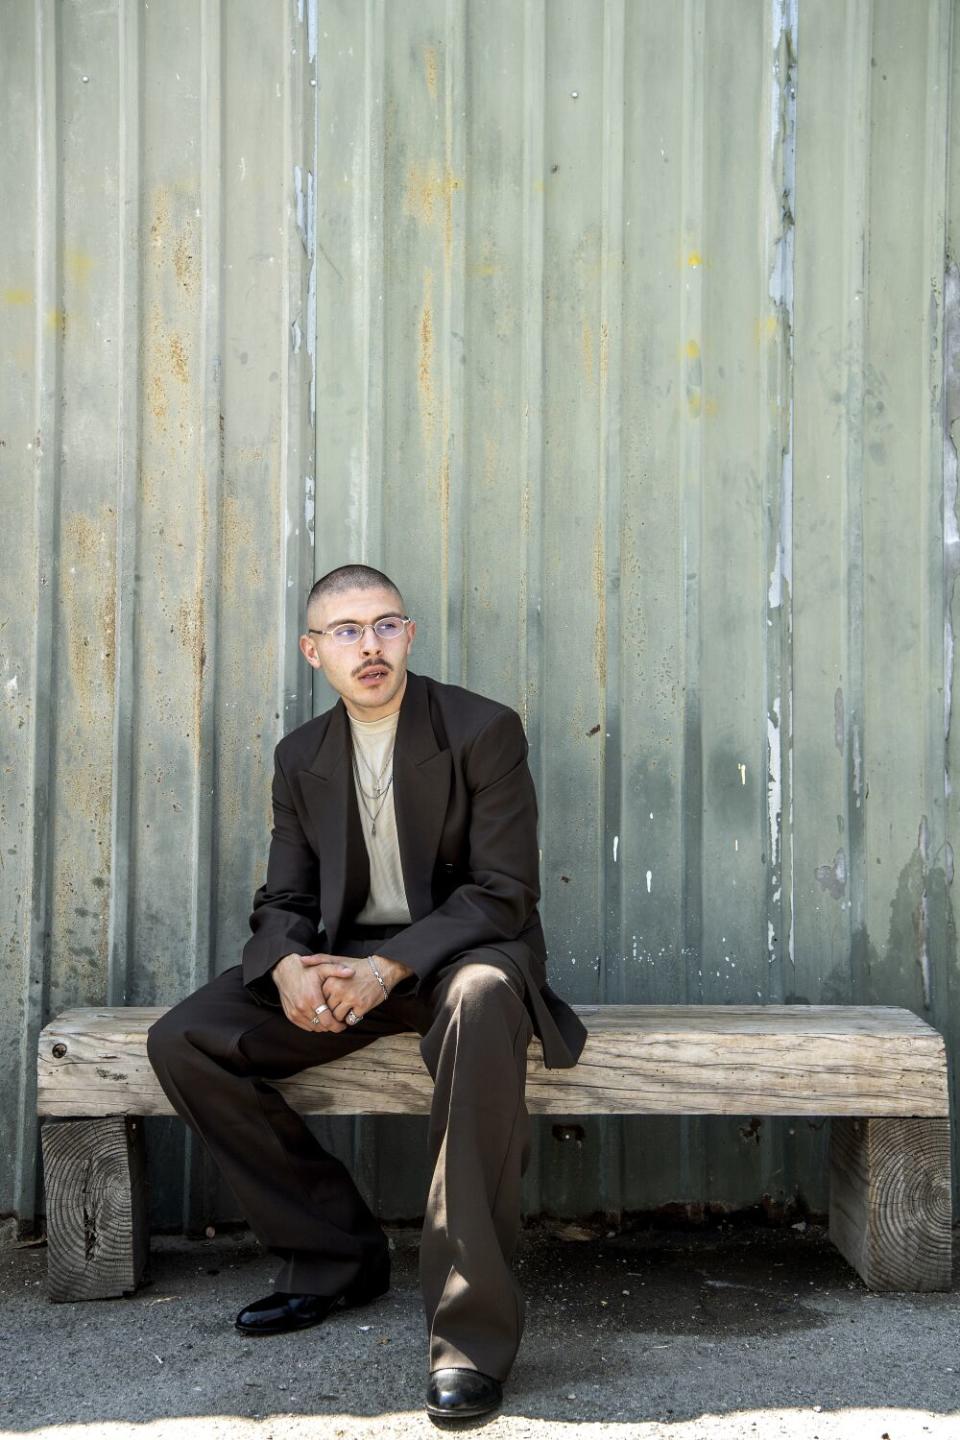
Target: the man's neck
pixel 380 713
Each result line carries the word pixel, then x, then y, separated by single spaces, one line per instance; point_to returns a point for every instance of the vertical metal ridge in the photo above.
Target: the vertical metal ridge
pixel 199 1180
pixel 452 509
pixel 610 488
pixel 530 618
pixel 374 419
pixel 297 452
pixel 691 479
pixel 203 923
pixel 855 209
pixel 128 456
pixel 934 966
pixel 45 454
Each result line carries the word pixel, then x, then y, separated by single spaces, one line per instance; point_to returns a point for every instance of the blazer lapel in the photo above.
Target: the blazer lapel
pixel 421 792
pixel 331 798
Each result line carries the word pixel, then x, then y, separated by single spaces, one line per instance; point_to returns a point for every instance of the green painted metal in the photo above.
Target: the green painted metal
pixel 625 336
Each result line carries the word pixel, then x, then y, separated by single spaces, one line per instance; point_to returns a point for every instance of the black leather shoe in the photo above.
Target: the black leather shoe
pixel 282 1312
pixel 461 1394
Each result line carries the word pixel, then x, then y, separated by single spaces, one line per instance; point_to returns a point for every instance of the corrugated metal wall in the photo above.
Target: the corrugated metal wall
pixel 624 335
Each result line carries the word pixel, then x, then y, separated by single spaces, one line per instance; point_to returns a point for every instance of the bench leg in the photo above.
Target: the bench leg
pixel 95 1182
pixel 890 1209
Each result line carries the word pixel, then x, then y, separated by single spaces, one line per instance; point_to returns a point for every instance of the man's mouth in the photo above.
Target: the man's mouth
pixel 373 675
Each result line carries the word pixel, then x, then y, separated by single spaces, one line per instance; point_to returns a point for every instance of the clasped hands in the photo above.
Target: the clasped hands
pixel 343 984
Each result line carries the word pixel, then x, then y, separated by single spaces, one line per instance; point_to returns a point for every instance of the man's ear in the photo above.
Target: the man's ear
pixel 309 652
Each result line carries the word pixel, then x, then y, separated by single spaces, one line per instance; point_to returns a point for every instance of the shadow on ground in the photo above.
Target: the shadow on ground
pixel 634 1325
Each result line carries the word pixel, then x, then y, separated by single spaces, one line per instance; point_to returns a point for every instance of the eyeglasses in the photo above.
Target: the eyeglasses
pixel 389 627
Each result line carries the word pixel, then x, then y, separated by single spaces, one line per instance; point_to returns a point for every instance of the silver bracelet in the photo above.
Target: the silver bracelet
pixel 371 962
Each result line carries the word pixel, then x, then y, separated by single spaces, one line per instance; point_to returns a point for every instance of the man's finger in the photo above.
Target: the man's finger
pixel 335 966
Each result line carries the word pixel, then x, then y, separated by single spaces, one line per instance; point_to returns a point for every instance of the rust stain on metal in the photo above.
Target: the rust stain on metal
pixel 425 366
pixel 490 462
pixel 430 67
pixel 183 267
pixel 178 360
pixel 599 583
pixel 586 352
pixel 445 505
pixel 87 552
pixel 429 196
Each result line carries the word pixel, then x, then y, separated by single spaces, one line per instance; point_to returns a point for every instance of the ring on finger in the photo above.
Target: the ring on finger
pixel 352 1017
pixel 320 1009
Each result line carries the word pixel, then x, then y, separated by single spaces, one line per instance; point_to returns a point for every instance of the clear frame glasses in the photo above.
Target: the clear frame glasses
pixel 388 627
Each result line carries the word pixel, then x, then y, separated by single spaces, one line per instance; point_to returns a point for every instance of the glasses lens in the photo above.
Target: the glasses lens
pixel 347 634
pixel 389 628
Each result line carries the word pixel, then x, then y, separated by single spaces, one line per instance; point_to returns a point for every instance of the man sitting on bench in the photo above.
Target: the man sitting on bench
pixel 401 894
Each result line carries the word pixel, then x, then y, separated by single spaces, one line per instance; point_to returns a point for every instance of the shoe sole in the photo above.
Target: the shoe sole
pixel 436 1413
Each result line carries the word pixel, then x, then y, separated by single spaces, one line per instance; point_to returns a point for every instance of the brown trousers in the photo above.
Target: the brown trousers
pixel 215 1054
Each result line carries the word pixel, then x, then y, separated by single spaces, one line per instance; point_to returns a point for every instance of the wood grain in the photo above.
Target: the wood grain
pixel 890 1205
pixel 95 1182
pixel 639 1059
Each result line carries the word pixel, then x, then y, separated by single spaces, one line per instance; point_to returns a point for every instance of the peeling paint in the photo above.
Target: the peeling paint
pixel 783 125
pixel 923 840
pixel 774 799
pixel 838 728
pixel 833 877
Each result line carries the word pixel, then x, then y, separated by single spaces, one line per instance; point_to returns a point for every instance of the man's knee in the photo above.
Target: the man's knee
pixel 481 989
pixel 166 1039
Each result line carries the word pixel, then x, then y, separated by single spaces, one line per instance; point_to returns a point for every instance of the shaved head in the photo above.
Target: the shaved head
pixel 349 577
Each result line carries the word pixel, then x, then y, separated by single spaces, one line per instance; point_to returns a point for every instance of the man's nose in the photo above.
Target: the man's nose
pixel 373 645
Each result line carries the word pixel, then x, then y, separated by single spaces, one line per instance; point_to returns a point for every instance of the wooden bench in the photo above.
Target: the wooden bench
pixel 879 1073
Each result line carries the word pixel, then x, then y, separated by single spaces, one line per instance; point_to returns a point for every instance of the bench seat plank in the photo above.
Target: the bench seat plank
pixel 639 1060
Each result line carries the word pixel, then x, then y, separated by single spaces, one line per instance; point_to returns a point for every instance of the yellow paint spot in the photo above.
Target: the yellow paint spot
pixel 482 272
pixel 56 319
pixel 765 329
pixel 692 350
pixel 711 408
pixel 693 404
pixel 694 259
pixel 15 296
pixel 78 265
pixel 430 63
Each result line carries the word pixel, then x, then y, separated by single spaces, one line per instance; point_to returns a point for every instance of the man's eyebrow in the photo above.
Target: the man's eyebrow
pixel 384 616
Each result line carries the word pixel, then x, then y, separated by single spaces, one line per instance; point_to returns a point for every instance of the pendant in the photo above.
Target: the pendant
pixel 373 828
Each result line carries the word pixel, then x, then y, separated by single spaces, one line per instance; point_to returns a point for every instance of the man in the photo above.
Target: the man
pixel 401 894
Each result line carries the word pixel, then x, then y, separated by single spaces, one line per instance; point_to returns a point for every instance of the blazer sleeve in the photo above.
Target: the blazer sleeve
pixel 286 908
pixel 497 902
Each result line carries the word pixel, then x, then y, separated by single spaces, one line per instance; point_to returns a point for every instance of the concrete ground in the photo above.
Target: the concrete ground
pixel 729 1334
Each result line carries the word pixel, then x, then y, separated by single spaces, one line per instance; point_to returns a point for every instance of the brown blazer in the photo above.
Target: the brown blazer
pixel 466 814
